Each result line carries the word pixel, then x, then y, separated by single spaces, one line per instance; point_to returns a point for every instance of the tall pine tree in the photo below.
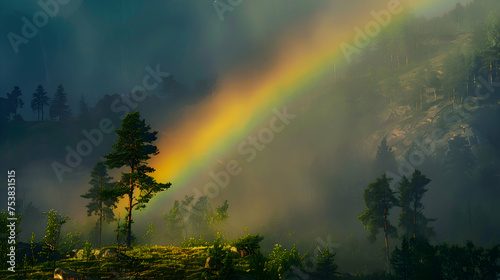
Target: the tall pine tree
pixel 39 101
pixel 132 150
pixel 59 109
pixel 379 199
pixel 411 218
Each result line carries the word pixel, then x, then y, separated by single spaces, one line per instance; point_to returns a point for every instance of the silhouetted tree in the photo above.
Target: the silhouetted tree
pixel 384 160
pixel 59 109
pixel 133 149
pixel 15 101
pixel 83 106
pixel 411 218
pixel 102 201
pixel 39 101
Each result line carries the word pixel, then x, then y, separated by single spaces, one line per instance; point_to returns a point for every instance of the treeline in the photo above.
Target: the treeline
pixel 57 106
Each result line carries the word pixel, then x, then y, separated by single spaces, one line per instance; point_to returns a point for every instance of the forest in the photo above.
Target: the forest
pixel 384 166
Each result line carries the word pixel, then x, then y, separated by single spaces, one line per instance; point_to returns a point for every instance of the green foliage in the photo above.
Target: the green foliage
pixel 227 272
pixel 402 263
pixel 217 253
pixel 215 220
pixel 378 199
pixel 133 149
pixel 325 264
pixel 189 218
pixel 257 265
pixel 150 234
pixel 52 238
pixel 193 242
pixel 280 261
pixel 71 241
pixel 469 262
pixel 32 249
pixel 249 242
pixel 221 260
pixel 102 201
pixel 103 197
pixel 87 251
pixel 53 231
pixel 417 259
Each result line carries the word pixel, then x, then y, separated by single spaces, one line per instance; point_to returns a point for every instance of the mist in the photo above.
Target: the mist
pixel 261 106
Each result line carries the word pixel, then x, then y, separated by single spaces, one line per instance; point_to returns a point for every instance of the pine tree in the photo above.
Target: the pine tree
pixel 59 108
pixel 405 199
pixel 411 218
pixel 39 101
pixel 384 160
pixel 401 261
pixel 15 101
pixel 83 106
pixel 379 199
pixel 102 199
pixel 325 262
pixel 133 149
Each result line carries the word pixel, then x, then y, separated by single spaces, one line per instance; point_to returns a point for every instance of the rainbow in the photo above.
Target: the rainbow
pixel 244 100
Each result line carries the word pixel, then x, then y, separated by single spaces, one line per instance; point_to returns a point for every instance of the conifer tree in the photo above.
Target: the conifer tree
pixel 39 101
pixel 132 150
pixel 101 202
pixel 379 199
pixel 411 218
pixel 59 108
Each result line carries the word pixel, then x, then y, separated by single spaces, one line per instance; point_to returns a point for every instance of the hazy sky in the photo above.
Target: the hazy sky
pixel 102 47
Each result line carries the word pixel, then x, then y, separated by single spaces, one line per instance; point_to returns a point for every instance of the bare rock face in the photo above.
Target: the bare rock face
pixel 67 274
pixel 207 263
pixel 234 251
pixel 110 253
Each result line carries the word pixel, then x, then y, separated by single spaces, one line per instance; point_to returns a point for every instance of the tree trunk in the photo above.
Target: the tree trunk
pixel 100 225
pixel 100 214
pixel 385 231
pixel 415 215
pixel 129 216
